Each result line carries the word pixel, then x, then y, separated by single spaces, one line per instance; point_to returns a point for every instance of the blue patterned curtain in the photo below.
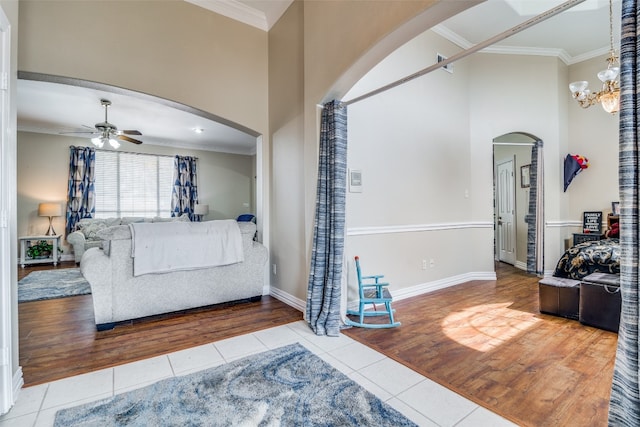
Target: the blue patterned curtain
pixel 81 198
pixel 185 186
pixel 624 406
pixel 535 217
pixel 325 276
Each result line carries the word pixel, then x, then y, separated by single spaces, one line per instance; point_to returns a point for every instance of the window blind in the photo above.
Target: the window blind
pixel 131 184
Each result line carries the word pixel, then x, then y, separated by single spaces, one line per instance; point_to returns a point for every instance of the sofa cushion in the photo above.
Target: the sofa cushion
pixel 117 232
pixel 183 217
pixel 91 226
pixel 133 219
pixel 123 232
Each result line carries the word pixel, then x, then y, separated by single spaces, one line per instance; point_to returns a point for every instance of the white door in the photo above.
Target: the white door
pixel 505 210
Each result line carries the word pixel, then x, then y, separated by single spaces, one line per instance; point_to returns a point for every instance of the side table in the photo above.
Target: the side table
pixel 55 242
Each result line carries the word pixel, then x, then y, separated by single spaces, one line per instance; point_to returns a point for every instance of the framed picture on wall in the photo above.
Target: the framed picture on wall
pixel 615 208
pixel 525 181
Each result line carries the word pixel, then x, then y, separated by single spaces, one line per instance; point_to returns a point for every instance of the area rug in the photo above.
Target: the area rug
pixel 288 386
pixel 49 284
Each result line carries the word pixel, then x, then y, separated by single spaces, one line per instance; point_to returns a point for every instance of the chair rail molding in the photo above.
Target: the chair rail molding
pixel 412 228
pixel 563 223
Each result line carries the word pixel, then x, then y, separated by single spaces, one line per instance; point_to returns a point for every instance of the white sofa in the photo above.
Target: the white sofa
pixel 86 234
pixel 119 296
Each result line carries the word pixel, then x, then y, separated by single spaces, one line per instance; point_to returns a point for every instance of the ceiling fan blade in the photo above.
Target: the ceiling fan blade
pixel 130 132
pixel 126 138
pixel 90 130
pixel 80 131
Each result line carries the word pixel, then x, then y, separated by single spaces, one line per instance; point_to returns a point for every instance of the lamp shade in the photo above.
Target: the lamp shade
pixel 201 209
pixel 49 209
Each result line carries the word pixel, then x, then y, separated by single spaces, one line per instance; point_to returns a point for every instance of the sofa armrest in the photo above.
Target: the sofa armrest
pixel 77 240
pixel 97 269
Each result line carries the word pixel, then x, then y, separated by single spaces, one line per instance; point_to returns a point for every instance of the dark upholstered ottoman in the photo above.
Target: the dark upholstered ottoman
pixel 559 296
pixel 600 301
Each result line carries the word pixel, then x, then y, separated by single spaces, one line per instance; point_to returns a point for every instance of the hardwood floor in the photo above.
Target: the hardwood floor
pixel 487 341
pixel 58 337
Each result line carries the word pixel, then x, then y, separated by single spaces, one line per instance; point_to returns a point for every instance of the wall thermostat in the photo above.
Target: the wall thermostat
pixel 355 181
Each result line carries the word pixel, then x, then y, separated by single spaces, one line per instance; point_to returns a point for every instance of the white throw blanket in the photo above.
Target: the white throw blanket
pixel 170 246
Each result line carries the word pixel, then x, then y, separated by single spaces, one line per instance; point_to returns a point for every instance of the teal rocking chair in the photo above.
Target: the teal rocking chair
pixel 372 291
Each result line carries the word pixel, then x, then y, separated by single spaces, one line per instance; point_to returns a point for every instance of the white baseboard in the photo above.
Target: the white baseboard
pixel 398 294
pixel 288 299
pixel 521 265
pixel 18 382
pixel 424 288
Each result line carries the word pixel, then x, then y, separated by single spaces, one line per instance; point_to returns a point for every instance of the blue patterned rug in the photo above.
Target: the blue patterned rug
pixel 288 386
pixel 49 284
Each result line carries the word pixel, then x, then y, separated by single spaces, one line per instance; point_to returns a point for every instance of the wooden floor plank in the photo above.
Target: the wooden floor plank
pixel 58 337
pixel 487 341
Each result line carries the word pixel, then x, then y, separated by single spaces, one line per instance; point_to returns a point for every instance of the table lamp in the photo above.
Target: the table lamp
pixel 50 210
pixel 200 211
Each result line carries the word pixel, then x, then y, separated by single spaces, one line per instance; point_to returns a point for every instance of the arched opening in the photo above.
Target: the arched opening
pixel 518 195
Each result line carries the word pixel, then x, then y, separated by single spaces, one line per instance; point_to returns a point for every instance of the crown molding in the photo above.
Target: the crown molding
pixel 463 43
pixel 235 10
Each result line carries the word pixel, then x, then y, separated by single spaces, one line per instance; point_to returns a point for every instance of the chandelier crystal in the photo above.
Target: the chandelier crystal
pixel 609 96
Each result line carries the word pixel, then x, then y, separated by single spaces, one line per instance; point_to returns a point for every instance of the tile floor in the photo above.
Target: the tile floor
pixel 420 399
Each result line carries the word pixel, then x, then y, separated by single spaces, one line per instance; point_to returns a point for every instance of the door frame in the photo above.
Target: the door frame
pixel 9 386
pixel 534 251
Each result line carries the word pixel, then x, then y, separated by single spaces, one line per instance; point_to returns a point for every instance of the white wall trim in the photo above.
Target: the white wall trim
pixel 563 223
pixel 412 228
pixel 521 265
pixel 8 156
pixel 18 381
pixel 289 299
pixel 398 294
pixel 424 288
pixel 235 10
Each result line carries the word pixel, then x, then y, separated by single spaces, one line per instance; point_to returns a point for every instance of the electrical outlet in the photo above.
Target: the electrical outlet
pixel 432 263
pixel 273 267
pixel 424 264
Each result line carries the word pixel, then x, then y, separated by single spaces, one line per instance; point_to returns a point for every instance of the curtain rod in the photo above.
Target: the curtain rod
pixel 148 154
pixel 510 32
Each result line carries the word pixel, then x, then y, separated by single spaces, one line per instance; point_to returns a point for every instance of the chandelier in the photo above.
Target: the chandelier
pixel 609 96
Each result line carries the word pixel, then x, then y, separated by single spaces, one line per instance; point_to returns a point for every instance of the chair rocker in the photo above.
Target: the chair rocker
pixel 372 291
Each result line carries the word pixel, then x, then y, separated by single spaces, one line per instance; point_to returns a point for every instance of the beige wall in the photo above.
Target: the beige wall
pixel 171 49
pixel 498 107
pixel 593 133
pixel 286 77
pixel 411 144
pixel 361 34
pixel 224 180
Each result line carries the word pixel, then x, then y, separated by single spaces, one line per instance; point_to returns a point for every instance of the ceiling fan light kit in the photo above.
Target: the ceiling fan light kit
pixel 609 96
pixel 108 133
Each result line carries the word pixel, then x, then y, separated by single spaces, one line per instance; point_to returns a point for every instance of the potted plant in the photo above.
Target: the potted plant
pixel 42 249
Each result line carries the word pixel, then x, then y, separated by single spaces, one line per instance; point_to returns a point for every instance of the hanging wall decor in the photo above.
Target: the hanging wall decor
pixel 573 165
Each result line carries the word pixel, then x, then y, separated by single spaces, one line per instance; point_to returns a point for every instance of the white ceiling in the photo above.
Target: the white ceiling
pixel 47 107
pixel 54 108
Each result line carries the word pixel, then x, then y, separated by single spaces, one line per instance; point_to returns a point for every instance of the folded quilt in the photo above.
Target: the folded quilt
pixel 173 246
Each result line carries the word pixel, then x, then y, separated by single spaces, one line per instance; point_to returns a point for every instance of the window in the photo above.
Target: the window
pixel 130 184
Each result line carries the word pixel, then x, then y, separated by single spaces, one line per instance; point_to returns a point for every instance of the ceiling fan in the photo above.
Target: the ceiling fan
pixel 108 132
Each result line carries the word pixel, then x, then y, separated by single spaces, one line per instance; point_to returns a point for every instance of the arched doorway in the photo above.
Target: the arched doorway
pixel 518 201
